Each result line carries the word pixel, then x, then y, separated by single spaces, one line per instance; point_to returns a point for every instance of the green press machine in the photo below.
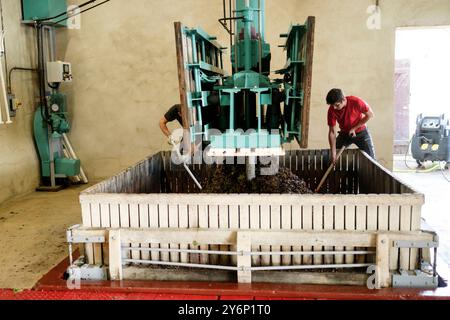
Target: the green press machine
pixel 254 116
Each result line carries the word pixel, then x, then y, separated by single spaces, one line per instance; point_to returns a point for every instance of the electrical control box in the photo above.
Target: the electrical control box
pixel 40 9
pixel 58 71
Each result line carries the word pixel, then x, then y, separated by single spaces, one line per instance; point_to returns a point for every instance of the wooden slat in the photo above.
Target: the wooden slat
pixel 286 224
pixel 296 225
pixel 86 218
pixel 394 225
pixel 307 224
pixel 255 225
pixel 154 224
pixel 339 225
pixel 350 224
pixel 134 223
pixel 328 217
pixel 361 214
pixel 275 224
pixel 244 262
pixel 415 226
pixel 95 216
pixel 163 215
pixel 224 225
pixel 265 225
pixel 203 223
pixel 174 223
pixel 214 225
pixel 234 224
pixel 105 222
pixel 115 254
pixel 183 221
pixel 405 225
pixel 318 226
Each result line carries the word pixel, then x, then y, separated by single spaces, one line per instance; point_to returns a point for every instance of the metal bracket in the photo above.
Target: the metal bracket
pixel 81 271
pixel 82 239
pixel 416 244
pixel 417 280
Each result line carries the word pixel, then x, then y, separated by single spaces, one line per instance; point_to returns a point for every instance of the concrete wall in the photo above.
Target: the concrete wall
pixel 126 75
pixel 19 165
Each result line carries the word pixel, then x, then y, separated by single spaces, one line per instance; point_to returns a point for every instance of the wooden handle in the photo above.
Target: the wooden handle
pixel 329 170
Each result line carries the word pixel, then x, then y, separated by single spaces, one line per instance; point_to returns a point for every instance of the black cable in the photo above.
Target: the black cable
pixel 16 69
pixel 63 13
pixel 74 15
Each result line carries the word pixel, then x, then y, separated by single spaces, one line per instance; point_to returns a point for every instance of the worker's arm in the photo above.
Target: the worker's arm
pixel 163 126
pixel 367 116
pixel 332 141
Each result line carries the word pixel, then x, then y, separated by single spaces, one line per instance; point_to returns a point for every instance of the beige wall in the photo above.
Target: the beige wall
pixel 126 76
pixel 19 165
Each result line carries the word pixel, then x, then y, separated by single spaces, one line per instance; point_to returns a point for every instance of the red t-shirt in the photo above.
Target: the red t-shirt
pixel 349 116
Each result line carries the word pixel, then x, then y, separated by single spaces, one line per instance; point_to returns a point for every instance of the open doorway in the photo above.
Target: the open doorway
pixel 422 83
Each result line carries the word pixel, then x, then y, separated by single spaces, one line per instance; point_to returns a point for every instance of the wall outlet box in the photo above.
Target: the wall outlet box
pixel 58 71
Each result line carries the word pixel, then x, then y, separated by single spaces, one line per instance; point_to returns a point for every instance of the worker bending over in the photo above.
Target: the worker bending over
pixel 174 113
pixel 352 114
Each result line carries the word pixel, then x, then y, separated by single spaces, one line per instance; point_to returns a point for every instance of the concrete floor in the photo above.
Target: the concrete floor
pixel 32 235
pixel 32 228
pixel 435 187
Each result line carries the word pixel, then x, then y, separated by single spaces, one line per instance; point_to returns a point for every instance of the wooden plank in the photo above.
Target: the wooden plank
pixel 203 223
pixel 350 224
pixel 275 224
pixel 224 225
pixel 234 224
pixel 144 223
pixel 339 219
pixel 244 262
pixel 265 225
pixel 105 222
pixel 154 224
pixel 255 225
pixel 124 215
pixel 115 255
pixel 415 226
pixel 405 225
pixel 163 215
pixel 318 226
pixel 307 224
pixel 328 223
pixel 296 225
pixel 96 222
pixel 214 225
pixel 372 224
pixel 183 221
pixel 115 215
pixel 394 225
pixel 307 81
pixel 361 220
pixel 134 223
pixel 286 224
pixel 173 223
pixel 86 218
pixel 382 261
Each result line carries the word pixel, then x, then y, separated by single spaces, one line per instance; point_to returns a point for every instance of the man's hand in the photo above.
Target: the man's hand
pixel 173 141
pixel 352 133
pixel 333 158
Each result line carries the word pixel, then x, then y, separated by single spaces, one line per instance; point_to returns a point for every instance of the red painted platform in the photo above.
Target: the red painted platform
pixel 53 287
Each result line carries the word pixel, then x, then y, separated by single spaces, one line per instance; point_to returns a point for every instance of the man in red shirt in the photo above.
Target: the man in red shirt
pixel 352 114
